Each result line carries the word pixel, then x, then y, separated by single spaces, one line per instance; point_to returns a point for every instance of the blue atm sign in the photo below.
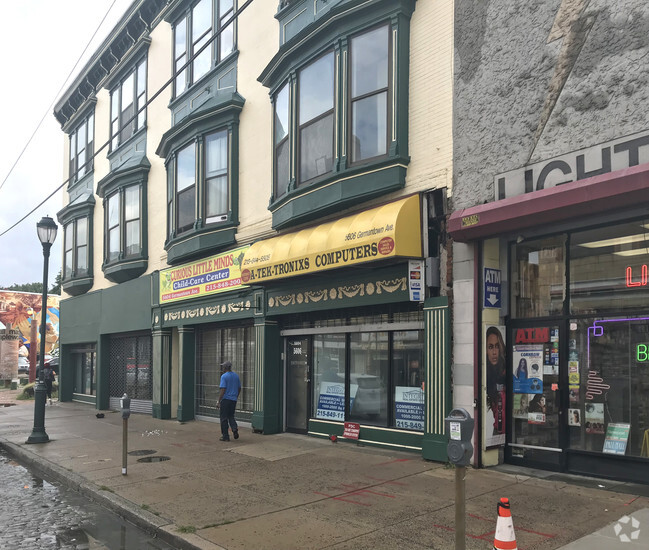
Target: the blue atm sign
pixel 492 287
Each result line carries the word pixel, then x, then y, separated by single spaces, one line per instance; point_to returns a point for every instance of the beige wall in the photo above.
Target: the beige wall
pixel 431 96
pixel 258 41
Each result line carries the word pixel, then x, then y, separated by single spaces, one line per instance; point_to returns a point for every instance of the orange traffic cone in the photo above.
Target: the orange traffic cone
pixel 505 538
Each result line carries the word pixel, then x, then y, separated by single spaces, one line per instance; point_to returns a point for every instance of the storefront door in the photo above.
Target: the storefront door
pixel 298 383
pixel 537 435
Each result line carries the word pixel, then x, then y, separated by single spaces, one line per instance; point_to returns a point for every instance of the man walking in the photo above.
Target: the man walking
pixel 230 389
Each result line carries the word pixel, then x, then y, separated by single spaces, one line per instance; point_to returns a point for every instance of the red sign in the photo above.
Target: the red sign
pixel 532 335
pixel 643 277
pixel 352 430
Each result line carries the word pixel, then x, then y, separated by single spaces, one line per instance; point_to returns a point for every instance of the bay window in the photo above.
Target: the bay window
pixel 128 97
pixel 192 32
pixel 369 70
pixel 75 259
pixel 82 149
pixel 185 188
pixel 123 214
pixel 282 160
pixel 316 117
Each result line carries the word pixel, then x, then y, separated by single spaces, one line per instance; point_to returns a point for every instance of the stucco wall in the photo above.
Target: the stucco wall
pixel 540 78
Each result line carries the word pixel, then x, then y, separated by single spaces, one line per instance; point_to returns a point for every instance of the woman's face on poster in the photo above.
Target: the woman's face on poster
pixel 493 349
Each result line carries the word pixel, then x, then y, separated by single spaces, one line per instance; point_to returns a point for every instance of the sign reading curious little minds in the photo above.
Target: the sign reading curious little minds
pixel 210 275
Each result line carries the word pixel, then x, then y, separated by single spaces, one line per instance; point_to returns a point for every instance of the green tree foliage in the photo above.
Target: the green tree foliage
pixel 56 287
pixel 26 287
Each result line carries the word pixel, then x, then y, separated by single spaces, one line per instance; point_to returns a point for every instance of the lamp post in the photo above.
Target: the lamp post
pixel 46 229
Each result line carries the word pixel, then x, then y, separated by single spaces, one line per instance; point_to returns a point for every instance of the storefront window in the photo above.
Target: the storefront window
pixel 538 288
pixel 609 385
pixel 608 268
pixel 369 371
pixel 407 379
pixel 329 376
pixel 83 363
pixel 215 345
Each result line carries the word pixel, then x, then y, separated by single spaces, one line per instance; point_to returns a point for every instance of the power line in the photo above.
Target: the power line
pixel 234 16
pixel 47 111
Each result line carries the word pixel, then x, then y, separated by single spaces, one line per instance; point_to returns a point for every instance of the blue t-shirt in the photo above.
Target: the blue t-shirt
pixel 230 381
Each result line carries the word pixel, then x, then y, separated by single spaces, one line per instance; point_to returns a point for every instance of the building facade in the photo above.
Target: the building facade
pixel 549 227
pixel 264 183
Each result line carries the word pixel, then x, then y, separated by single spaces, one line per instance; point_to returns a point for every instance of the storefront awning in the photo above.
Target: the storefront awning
pixel 391 230
pixel 600 194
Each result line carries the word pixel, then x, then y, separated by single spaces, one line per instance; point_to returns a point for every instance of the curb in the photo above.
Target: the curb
pixel 152 524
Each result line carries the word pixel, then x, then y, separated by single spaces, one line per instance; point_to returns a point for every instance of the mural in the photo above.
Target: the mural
pixel 18 309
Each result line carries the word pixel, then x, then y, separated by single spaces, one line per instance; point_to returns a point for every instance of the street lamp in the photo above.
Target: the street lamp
pixel 46 229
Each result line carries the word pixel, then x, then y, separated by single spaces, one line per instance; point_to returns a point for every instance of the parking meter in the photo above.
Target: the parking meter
pixel 125 404
pixel 459 427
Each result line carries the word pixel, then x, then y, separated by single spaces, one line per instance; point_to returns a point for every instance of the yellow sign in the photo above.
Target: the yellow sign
pixel 384 232
pixel 468 221
pixel 211 275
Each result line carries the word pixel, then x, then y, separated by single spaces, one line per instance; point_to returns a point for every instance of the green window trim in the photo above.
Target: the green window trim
pixel 116 190
pixel 70 217
pixel 295 202
pixel 209 232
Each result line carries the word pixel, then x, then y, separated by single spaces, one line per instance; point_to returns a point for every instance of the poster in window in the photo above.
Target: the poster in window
pixel 331 401
pixel 594 418
pixel 617 436
pixel 537 409
pixel 520 404
pixel 409 408
pixel 528 371
pixel 574 417
pixel 495 376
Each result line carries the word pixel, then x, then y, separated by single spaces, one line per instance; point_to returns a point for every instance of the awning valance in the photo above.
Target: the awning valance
pixel 391 230
pixel 604 193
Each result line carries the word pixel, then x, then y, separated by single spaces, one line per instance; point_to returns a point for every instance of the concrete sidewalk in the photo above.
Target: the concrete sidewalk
pixel 297 492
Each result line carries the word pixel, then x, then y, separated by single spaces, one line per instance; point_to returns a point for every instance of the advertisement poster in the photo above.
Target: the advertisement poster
pixel 409 408
pixel 215 274
pixel 528 371
pixel 573 392
pixel 416 280
pixel 574 417
pixel 495 376
pixel 573 373
pixel 536 409
pixel 617 436
pixel 521 402
pixel 594 418
pixel 331 401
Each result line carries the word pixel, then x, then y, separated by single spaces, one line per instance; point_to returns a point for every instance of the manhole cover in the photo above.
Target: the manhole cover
pixel 142 452
pixel 153 459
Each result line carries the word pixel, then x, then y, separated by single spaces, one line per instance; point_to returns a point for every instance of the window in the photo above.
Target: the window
pixel 83 361
pixel 316 117
pixel 123 231
pixel 282 159
pixel 125 100
pixel 369 69
pixel 215 345
pixel 373 378
pixel 193 31
pixel 185 188
pixel 211 192
pixel 82 149
pixel 75 260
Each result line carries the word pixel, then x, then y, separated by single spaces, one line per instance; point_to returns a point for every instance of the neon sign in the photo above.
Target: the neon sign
pixel 643 277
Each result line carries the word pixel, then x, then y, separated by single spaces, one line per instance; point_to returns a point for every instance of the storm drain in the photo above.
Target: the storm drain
pixel 153 459
pixel 142 452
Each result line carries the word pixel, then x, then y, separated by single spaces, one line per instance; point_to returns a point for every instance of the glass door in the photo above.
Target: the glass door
pixel 535 375
pixel 298 383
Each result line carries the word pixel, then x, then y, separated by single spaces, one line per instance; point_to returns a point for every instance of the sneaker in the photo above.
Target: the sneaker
pixel 236 434
pixel 224 438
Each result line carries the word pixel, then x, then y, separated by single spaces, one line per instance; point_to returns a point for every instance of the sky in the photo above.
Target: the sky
pixel 41 42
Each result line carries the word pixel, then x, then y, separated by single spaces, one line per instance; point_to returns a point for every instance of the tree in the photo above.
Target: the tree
pixel 56 287
pixel 26 287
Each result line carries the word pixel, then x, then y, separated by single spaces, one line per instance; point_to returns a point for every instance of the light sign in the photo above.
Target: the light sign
pixel 643 277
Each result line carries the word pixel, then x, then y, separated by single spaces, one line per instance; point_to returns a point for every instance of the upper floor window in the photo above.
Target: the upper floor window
pixel 82 148
pixel 75 259
pixel 193 31
pixel 282 158
pixel 126 99
pixel 206 179
pixel 369 69
pixel 316 117
pixel 123 229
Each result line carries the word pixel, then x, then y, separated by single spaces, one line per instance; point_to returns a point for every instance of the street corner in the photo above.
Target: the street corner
pixel 628 531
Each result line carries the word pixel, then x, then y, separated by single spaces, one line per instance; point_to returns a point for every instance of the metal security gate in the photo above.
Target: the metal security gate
pixel 131 372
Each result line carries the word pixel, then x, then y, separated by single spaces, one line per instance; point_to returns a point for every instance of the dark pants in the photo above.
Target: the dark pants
pixel 48 387
pixel 227 416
